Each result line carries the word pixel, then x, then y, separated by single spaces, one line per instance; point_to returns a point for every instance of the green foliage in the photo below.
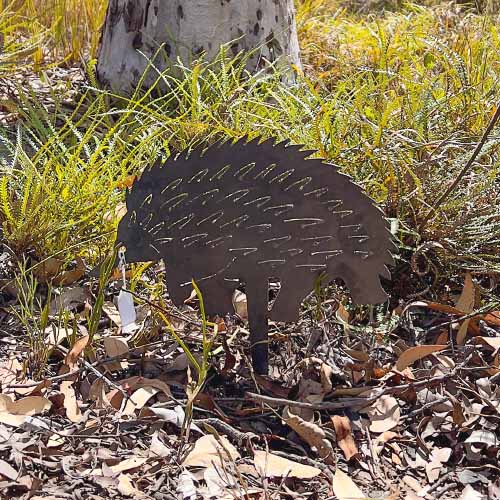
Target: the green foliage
pixel 397 100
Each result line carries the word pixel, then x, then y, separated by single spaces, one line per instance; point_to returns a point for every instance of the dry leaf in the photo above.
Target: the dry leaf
pixel 185 486
pixel 345 439
pixel 69 277
pixel 240 304
pixel 68 299
pixel 128 464
pixel 465 303
pixel 116 346
pixel 139 399
pixel 70 404
pixel 384 414
pixel 434 468
pixel 31 405
pixel 312 434
pixel 269 465
pixel 207 451
pixel 56 335
pixel 343 316
pixel 47 269
pixel 413 354
pixel 127 489
pixel 112 313
pixel 9 370
pixel 469 493
pixel 76 351
pixel 7 471
pixel 344 487
pixel 157 448
pixel 15 413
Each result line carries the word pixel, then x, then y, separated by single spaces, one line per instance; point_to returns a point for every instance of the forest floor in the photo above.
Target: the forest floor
pixel 398 401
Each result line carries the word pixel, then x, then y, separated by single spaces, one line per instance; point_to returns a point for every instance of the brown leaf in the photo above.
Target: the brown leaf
pixel 384 414
pixel 49 268
pixel 75 352
pixel 435 466
pixel 345 439
pixel 207 451
pixel 139 399
pixel 70 404
pixel 269 465
pixel 116 346
pixel 466 301
pixel 112 313
pixel 344 487
pixel 69 277
pixel 6 470
pixel 31 405
pixel 312 434
pixel 127 489
pixel 128 464
pixel 413 354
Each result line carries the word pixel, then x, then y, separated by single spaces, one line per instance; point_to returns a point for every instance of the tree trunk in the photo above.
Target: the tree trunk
pixel 188 28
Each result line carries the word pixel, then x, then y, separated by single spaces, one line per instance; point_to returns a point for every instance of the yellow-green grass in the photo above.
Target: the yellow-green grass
pixel 398 100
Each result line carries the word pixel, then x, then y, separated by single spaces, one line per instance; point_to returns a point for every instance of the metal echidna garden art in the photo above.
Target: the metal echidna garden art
pixel 245 213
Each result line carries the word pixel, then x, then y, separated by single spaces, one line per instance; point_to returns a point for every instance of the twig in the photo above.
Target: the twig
pixel 100 375
pixel 180 316
pixel 219 425
pixel 464 170
pixel 353 402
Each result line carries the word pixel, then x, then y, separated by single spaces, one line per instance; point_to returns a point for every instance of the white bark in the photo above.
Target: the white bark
pixel 187 28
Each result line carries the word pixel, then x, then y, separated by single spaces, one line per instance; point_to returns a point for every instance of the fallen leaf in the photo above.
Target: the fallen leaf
pixel 269 465
pixel 344 487
pixel 31 405
pixel 384 414
pixel 116 346
pixel 128 464
pixel 185 486
pixel 466 301
pixel 343 316
pixel 413 354
pixel 15 413
pixel 434 467
pixel 70 403
pixel 469 493
pixel 345 439
pixel 126 487
pixel 56 335
pixel 208 451
pixel 138 399
pixel 312 434
pixel 75 352
pixel 68 299
pixel 112 313
pixel 47 269
pixel 158 448
pixel 69 277
pixel 240 304
pixel 6 470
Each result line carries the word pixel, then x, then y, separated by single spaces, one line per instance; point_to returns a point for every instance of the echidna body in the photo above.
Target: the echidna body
pixel 247 212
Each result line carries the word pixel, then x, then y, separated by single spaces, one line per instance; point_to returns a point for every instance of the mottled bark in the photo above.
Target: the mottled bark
pixel 187 28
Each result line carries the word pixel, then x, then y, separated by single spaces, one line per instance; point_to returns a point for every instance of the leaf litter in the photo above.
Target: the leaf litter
pixel 405 406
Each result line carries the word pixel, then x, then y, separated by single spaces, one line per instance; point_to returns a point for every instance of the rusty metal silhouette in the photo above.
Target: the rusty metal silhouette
pixel 247 212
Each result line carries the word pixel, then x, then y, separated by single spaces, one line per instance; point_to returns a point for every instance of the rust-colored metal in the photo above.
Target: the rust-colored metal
pixel 245 213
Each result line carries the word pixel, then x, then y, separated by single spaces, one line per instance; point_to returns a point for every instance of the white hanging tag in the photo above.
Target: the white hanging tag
pixel 125 301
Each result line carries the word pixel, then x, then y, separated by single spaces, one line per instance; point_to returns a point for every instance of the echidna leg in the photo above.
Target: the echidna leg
pixel 257 301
